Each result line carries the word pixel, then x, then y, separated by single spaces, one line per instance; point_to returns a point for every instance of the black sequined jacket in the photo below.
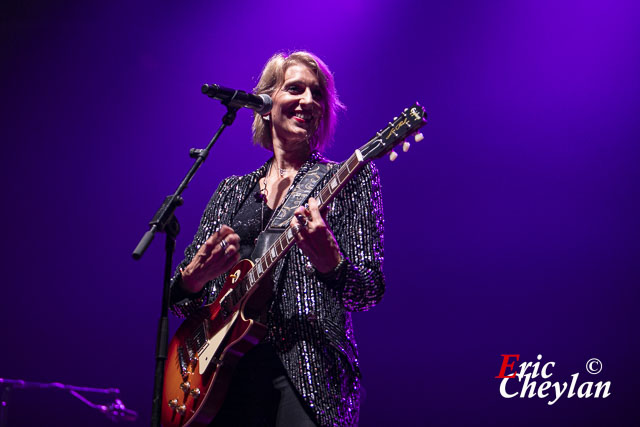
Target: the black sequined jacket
pixel 309 322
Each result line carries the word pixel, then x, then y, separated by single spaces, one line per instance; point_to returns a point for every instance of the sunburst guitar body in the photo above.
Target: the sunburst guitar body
pixel 205 350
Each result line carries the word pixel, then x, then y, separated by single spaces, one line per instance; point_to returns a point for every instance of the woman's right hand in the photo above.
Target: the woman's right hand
pixel 212 259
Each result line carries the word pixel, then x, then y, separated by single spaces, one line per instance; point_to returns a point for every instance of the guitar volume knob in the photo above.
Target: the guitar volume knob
pixel 173 403
pixel 195 393
pixel 185 386
pixel 181 409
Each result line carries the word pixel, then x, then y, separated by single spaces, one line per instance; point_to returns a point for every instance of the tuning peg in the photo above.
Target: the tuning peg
pixel 393 155
pixel 395 118
pixel 419 137
pixel 406 146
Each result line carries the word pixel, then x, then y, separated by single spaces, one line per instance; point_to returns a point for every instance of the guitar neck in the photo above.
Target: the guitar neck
pixel 340 179
pixel 287 239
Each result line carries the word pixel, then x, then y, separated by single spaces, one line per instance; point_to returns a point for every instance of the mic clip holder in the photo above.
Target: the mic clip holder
pixel 194 153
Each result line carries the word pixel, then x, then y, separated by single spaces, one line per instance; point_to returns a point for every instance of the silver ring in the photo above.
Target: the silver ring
pixel 306 220
pixel 296 229
pixel 223 245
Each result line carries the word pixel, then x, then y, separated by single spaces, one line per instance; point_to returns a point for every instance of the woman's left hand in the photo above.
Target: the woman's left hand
pixel 314 237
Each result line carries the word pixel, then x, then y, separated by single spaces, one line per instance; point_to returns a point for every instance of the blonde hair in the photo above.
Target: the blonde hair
pixel 272 78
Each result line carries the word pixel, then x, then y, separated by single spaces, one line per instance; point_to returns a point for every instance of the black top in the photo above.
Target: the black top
pixel 251 219
pixel 251 396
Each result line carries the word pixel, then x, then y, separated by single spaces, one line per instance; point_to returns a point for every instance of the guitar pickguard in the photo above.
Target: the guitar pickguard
pixel 213 344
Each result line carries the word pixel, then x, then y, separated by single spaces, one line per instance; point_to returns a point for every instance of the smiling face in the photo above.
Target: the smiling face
pixel 297 107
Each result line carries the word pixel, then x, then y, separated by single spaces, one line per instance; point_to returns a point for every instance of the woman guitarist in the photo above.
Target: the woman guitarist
pixel 305 371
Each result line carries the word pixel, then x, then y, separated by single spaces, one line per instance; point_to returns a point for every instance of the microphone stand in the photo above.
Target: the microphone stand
pixel 115 411
pixel 165 221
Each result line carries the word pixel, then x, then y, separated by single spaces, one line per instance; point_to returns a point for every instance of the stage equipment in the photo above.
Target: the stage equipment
pixel 115 411
pixel 261 104
pixel 165 221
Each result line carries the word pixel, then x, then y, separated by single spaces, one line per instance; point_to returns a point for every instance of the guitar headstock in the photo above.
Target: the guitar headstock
pixel 411 119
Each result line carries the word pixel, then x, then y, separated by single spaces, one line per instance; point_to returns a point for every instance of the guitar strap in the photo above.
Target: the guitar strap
pixel 283 215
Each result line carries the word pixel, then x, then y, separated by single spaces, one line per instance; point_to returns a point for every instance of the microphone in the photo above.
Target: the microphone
pixel 261 104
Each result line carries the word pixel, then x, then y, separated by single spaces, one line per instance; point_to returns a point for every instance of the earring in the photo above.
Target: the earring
pixel 267 117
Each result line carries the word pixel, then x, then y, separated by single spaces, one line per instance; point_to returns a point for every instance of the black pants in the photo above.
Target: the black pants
pixel 260 395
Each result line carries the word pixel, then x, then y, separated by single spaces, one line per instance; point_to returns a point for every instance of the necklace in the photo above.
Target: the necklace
pixel 263 196
pixel 264 192
pixel 282 171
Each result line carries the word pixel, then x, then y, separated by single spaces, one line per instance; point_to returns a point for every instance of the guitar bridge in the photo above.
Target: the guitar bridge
pixel 194 345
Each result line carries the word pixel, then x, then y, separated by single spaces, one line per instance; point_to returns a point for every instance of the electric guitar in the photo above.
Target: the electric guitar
pixel 208 345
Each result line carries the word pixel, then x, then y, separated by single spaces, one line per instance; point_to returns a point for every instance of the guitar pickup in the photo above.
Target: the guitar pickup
pixel 182 360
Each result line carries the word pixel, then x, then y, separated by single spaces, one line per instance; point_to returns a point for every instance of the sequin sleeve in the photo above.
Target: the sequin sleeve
pixel 357 222
pixel 183 303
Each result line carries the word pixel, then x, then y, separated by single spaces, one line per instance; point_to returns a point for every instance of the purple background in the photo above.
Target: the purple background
pixel 513 228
